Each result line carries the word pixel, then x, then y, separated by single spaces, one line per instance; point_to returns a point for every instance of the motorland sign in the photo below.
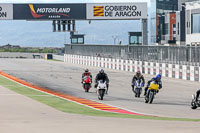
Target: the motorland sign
pixel 6 11
pixel 117 11
pixel 49 11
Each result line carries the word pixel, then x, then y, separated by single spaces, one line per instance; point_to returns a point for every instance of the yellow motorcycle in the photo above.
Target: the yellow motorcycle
pixel 151 92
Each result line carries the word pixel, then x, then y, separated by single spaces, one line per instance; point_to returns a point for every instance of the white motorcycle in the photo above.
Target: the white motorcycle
pixel 101 89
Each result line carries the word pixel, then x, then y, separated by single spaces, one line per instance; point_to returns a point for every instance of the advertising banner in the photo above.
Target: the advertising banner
pixel 116 11
pixel 49 11
pixel 6 11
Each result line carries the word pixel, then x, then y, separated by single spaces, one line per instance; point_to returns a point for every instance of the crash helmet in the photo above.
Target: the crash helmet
pixel 101 71
pixel 158 77
pixel 86 70
pixel 138 73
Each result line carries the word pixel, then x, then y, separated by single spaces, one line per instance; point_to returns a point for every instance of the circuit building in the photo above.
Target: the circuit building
pixel 193 23
pixel 170 22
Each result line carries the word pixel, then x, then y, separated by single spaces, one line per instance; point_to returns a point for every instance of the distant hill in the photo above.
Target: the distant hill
pixel 39 33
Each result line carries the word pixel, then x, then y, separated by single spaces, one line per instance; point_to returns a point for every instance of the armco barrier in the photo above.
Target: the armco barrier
pixel 167 70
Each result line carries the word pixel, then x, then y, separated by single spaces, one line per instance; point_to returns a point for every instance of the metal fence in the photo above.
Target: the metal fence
pixel 163 54
pixel 166 54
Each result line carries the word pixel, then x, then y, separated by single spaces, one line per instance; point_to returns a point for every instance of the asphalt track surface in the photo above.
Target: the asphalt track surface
pixel 30 116
pixel 172 101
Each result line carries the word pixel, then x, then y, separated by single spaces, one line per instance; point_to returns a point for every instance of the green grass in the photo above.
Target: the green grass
pixel 71 107
pixel 29 50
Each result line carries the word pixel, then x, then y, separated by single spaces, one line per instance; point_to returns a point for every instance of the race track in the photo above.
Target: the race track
pixel 172 101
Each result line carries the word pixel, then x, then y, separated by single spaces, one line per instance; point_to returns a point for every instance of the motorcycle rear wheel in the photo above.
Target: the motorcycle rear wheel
pixel 87 87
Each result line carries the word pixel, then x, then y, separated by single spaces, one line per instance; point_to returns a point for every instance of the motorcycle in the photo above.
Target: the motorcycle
pixel 101 89
pixel 195 103
pixel 151 92
pixel 138 88
pixel 87 83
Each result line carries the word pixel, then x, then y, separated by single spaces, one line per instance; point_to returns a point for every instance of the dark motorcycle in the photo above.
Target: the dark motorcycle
pixel 195 103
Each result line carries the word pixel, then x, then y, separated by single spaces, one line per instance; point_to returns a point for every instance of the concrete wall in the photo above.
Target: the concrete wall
pixel 58 57
pixel 29 55
pixel 97 50
pixel 20 55
pixel 167 70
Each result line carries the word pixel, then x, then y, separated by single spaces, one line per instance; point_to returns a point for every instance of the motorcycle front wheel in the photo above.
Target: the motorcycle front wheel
pixel 146 99
pixel 139 92
pixel 101 94
pixel 147 96
pixel 151 97
pixel 193 103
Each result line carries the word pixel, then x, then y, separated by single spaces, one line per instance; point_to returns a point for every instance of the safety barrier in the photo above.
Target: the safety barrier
pixel 180 55
pixel 167 70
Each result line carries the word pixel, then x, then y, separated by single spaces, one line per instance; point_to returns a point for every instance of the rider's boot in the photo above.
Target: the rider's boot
pixel 133 89
pixel 107 90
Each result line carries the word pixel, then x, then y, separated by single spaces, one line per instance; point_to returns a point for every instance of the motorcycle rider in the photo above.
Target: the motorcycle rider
pixel 86 73
pixel 137 76
pixel 197 95
pixel 102 76
pixel 157 79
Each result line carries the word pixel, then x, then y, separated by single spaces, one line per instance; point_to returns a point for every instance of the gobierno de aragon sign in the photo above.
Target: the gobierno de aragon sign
pixel 117 11
pixel 6 11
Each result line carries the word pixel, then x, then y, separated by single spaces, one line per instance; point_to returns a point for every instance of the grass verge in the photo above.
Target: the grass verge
pixel 71 107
